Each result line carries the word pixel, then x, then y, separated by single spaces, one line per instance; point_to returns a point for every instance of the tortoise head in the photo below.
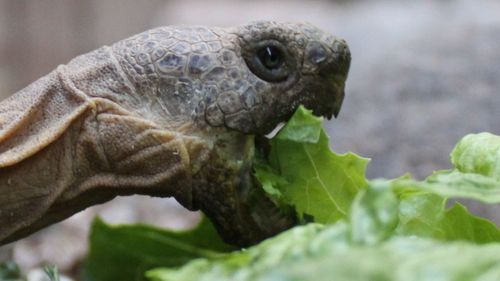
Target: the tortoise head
pixel 281 67
pixel 247 78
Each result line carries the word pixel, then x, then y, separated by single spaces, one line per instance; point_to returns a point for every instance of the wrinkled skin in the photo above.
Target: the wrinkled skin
pixel 172 111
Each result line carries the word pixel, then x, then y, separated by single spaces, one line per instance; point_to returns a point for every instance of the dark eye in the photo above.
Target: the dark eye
pixel 268 60
pixel 271 57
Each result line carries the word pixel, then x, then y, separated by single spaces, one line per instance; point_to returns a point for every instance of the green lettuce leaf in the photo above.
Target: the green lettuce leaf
pixel 374 214
pixel 385 210
pixel 303 172
pixel 476 159
pixel 126 252
pixel 389 209
pixel 316 252
pixel 425 214
pixel 453 183
pixel 423 210
pixel 395 224
pixel 479 154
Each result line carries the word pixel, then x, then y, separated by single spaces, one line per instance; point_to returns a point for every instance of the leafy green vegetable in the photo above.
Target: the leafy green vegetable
pixel 303 127
pixel 305 173
pixel 478 153
pixel 476 159
pixel 419 213
pixel 270 182
pixel 423 209
pixel 316 252
pixel 374 214
pixel 353 251
pixel 424 214
pixel 245 265
pixel 126 252
pixel 398 229
pixel 457 184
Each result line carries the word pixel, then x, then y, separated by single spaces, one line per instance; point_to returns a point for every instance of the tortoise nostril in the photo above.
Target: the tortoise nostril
pixel 316 53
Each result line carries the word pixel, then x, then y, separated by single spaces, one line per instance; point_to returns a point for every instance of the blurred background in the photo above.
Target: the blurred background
pixel 424 74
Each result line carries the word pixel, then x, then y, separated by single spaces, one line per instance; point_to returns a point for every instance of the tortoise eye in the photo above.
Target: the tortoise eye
pixel 269 61
pixel 270 57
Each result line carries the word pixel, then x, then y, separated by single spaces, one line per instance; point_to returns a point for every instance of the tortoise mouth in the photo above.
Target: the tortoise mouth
pixel 266 210
pixel 255 205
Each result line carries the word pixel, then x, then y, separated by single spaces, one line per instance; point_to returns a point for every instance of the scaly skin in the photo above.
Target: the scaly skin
pixel 172 111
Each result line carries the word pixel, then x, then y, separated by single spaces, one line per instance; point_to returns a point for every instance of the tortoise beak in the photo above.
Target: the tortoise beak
pixel 329 99
pixel 341 65
pixel 337 106
pixel 329 89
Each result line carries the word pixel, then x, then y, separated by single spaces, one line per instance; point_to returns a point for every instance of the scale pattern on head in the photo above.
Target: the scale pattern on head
pixel 248 78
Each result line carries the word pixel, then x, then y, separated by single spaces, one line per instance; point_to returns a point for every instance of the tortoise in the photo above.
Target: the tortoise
pixel 173 111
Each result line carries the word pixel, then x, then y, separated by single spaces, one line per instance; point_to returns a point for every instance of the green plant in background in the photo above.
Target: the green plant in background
pixel 9 271
pixel 398 229
pixel 52 273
